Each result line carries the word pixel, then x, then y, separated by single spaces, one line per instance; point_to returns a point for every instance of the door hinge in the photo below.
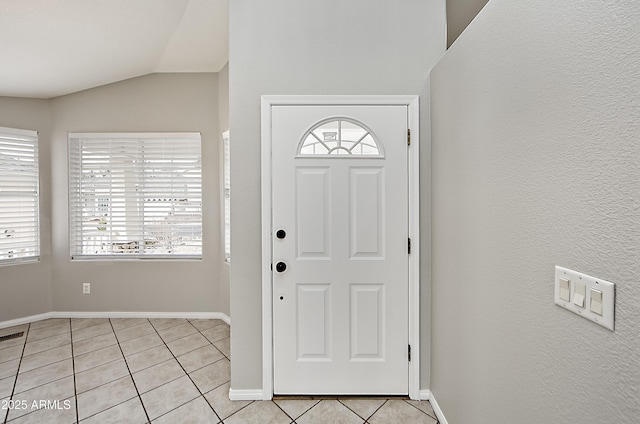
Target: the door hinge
pixel 409 353
pixel 409 246
pixel 408 137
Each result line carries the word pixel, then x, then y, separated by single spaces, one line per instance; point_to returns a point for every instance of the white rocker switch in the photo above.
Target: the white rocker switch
pixel 579 294
pixel 565 289
pixel 595 305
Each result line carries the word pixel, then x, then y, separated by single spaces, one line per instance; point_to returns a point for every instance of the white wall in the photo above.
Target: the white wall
pixel 25 289
pixel 535 154
pixel 158 102
pixel 292 47
pixel 223 113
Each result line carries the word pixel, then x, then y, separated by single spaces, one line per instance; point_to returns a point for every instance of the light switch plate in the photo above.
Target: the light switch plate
pixel 577 279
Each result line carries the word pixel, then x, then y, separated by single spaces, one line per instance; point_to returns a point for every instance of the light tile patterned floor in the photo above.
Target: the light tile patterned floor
pixel 159 371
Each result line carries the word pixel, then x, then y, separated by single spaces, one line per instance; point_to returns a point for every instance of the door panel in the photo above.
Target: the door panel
pixel 367 212
pixel 367 322
pixel 340 307
pixel 313 206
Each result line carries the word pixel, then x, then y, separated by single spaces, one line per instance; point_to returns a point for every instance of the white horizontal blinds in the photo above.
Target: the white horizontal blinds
pixel 19 216
pixel 227 196
pixel 136 195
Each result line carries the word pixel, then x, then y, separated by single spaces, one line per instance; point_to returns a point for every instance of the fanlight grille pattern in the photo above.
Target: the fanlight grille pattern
pixel 339 136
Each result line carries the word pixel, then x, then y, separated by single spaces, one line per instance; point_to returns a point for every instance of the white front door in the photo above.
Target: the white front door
pixel 340 259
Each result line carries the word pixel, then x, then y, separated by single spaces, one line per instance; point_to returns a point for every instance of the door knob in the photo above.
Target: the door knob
pixel 281 267
pixel 281 234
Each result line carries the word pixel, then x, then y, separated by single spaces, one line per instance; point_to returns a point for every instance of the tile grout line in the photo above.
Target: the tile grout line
pixel 73 368
pixel 15 382
pixel 130 374
pixel 427 414
pixel 293 420
pixel 365 419
pixel 224 355
pixel 185 371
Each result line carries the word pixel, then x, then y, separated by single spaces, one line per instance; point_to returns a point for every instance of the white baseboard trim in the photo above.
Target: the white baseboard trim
pixel 246 394
pixel 427 395
pixel 187 315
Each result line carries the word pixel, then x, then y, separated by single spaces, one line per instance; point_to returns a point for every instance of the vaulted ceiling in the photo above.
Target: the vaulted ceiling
pixel 50 48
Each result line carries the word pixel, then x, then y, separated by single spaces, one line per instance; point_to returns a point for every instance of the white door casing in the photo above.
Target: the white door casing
pixel 344 312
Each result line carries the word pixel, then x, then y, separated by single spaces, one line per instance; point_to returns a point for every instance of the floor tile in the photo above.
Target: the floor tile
pixel 203 324
pixel 158 375
pixel 134 332
pixel 331 411
pixel 168 397
pixel 80 323
pixel 177 332
pixel 164 323
pixel 187 344
pixel 100 375
pixel 422 405
pixel 224 346
pixel 93 331
pixel 54 391
pixel 129 412
pixel 217 333
pixel 296 407
pixel 218 398
pixel 14 329
pixel 46 344
pixel 97 357
pixel 43 375
pixel 120 323
pixel 53 330
pixel 148 358
pixel 94 343
pixel 260 413
pixel 212 376
pixel 18 341
pixel 401 412
pixel 10 353
pixel 48 323
pixel 63 412
pixel 47 357
pixel 9 368
pixel 140 344
pixel 363 407
pixel 3 414
pixel 197 411
pixel 6 387
pixel 105 397
pixel 199 358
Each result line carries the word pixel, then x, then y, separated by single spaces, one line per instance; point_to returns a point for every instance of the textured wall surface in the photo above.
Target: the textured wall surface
pixel 292 47
pixel 162 103
pixel 536 130
pixel 25 289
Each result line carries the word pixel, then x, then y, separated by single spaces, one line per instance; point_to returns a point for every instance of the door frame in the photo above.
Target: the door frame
pixel 412 103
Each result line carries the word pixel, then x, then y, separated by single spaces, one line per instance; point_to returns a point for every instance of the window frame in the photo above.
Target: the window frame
pixel 141 194
pixel 28 187
pixel 226 194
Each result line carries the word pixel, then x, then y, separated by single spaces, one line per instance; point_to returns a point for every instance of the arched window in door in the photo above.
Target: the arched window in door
pixel 344 137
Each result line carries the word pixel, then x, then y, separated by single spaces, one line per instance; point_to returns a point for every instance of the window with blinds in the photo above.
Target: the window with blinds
pixel 135 195
pixel 227 196
pixel 19 216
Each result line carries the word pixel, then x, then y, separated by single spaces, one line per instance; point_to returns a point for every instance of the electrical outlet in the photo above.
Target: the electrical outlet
pixel 86 288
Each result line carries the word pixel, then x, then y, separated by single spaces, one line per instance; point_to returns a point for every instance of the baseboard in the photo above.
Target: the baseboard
pixel 257 394
pixel 187 315
pixel 427 395
pixel 25 320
